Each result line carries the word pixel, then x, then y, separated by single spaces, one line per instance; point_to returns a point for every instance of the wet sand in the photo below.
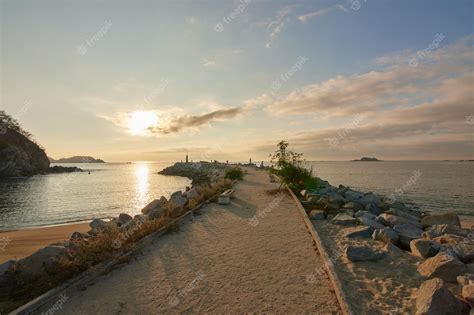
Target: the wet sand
pixel 21 243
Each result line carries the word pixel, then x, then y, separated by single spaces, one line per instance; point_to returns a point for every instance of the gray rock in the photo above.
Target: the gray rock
pixel 177 201
pixel 423 248
pixel 444 265
pixel 353 195
pixel 316 215
pixel 369 198
pixel 343 219
pixel 78 236
pixel 407 233
pixel 363 253
pixel 124 218
pixel 373 208
pixel 381 220
pixel 440 229
pixel 369 222
pixel 157 203
pixel 97 224
pixel 446 218
pixel 366 214
pixel 464 251
pixel 393 220
pixel 353 205
pixel 192 193
pixel 386 235
pixel 403 214
pixel 46 260
pixel 434 298
pixel 358 232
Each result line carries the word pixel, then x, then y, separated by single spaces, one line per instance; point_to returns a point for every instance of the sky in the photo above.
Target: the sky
pixel 227 80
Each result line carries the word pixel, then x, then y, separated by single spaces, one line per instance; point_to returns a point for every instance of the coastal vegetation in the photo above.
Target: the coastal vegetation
pixel 289 167
pixel 234 173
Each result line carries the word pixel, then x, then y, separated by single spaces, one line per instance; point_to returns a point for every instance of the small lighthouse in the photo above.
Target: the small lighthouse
pixel 187 159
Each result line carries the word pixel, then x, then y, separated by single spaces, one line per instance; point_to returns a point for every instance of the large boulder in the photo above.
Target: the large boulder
pixel 407 233
pixel 192 193
pixel 464 251
pixel 177 201
pixel 344 219
pixel 440 229
pixel 97 224
pixel 157 203
pixel 423 248
pixel 353 195
pixel 363 253
pixel 353 205
pixel 358 232
pixel 370 222
pixel 403 214
pixel 444 265
pixel 386 235
pixel 363 213
pixel 393 220
pixel 434 298
pixel 445 218
pixel 373 208
pixel 46 260
pixel 124 218
pixel 369 198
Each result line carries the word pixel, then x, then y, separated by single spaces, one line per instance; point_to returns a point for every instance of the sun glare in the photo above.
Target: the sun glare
pixel 140 121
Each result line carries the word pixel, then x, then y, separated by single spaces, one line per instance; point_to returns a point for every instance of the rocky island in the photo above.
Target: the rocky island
pixel 367 159
pixel 77 159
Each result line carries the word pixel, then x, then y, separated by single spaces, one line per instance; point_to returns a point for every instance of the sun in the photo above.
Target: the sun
pixel 140 121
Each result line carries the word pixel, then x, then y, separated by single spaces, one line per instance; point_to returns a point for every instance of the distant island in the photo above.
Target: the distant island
pixel 77 159
pixel 367 159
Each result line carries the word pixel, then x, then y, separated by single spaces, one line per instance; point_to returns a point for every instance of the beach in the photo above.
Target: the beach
pixel 21 243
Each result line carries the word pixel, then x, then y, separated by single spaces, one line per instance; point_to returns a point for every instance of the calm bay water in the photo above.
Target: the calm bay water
pixel 61 198
pixel 114 188
pixel 430 185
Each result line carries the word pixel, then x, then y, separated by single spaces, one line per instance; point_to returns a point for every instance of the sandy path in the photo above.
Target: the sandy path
pixel 21 243
pixel 220 263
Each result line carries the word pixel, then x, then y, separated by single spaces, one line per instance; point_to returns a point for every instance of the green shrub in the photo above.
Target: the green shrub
pixel 234 173
pixel 287 165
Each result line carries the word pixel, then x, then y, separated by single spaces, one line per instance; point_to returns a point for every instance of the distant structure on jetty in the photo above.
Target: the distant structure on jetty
pixel 187 159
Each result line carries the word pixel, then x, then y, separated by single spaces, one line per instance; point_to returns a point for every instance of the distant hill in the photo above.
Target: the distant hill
pixel 78 159
pixel 19 154
pixel 367 159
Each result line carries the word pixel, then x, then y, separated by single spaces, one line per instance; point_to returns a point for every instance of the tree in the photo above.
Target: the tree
pixel 11 123
pixel 287 166
pixel 283 156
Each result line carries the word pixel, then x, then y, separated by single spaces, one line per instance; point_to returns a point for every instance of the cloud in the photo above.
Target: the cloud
pixel 410 111
pixel 190 20
pixel 209 63
pixel 177 124
pixel 338 7
pixel 277 25
pixel 398 84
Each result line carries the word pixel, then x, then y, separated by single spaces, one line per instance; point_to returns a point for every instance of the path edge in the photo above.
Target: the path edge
pixel 336 283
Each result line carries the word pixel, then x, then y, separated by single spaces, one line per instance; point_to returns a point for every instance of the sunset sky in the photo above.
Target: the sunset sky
pixel 152 80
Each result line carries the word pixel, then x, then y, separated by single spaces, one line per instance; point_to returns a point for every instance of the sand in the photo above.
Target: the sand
pixel 21 243
pixel 218 262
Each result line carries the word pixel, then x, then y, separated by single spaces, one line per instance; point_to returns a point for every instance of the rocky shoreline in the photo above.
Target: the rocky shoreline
pixel 365 228
pixel 105 238
pixel 199 172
